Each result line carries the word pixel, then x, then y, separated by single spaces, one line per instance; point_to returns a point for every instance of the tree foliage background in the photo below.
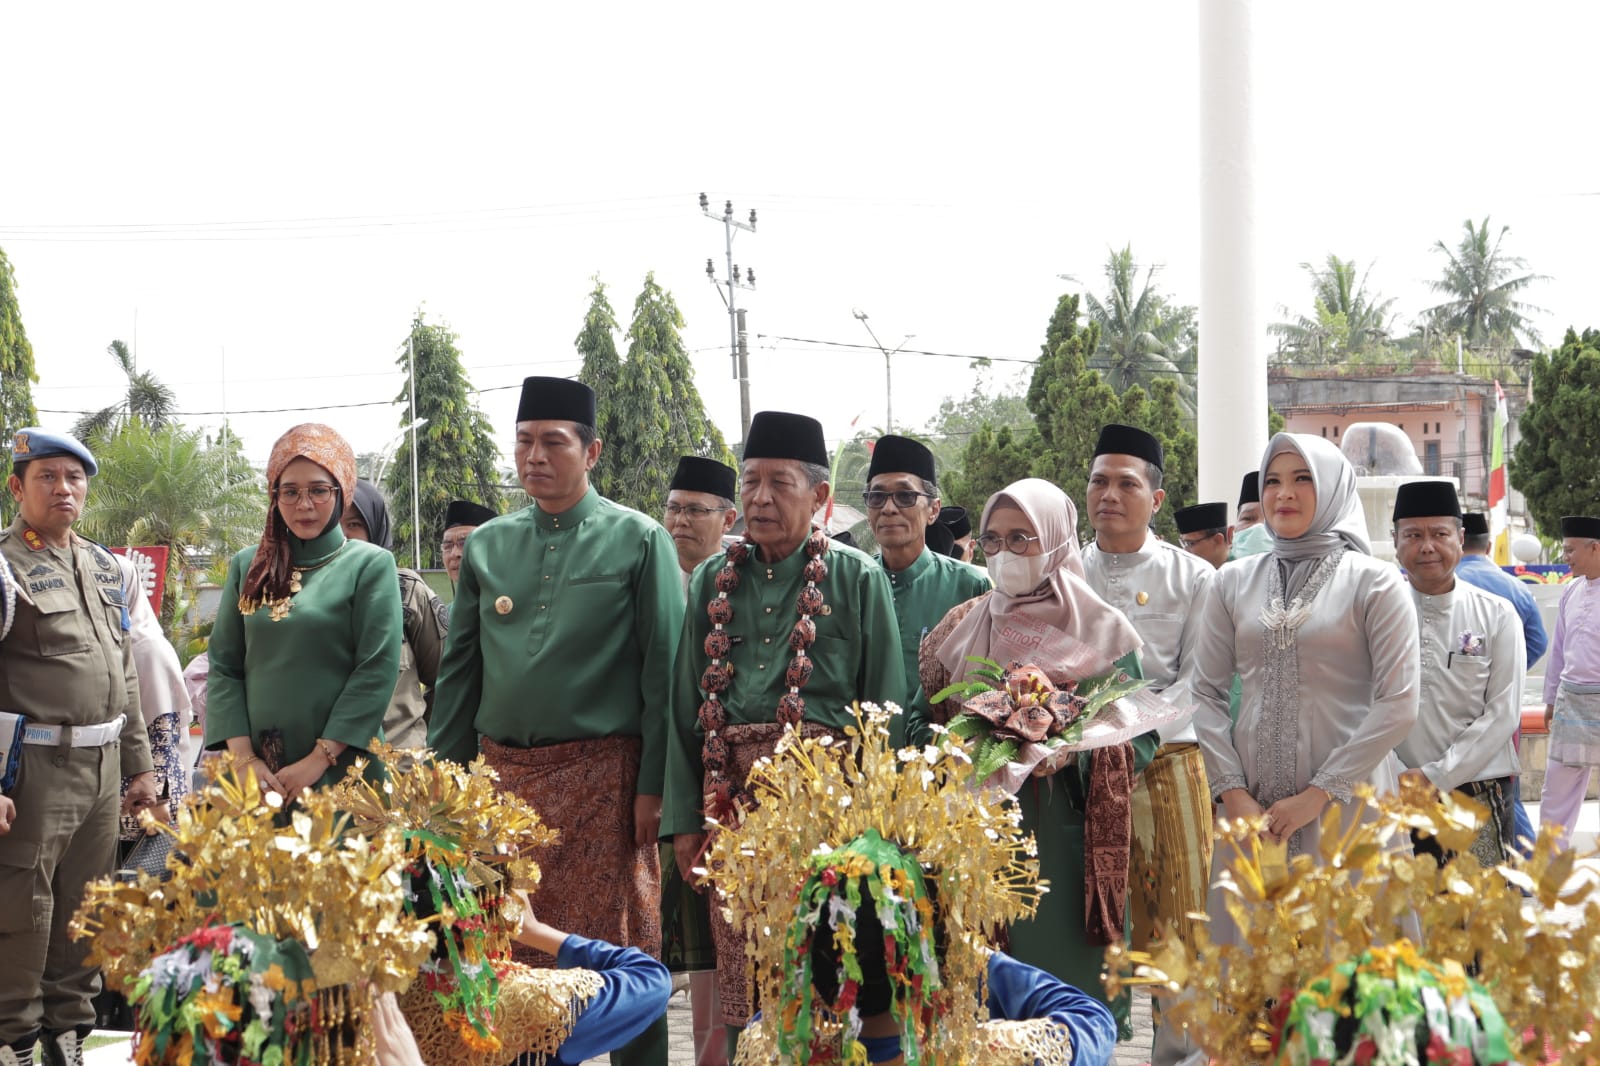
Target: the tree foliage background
pixel 17 373
pixel 1069 403
pixel 172 487
pixel 653 413
pixel 456 452
pixel 1557 461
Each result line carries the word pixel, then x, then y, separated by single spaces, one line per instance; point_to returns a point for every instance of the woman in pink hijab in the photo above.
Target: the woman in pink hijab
pixel 1042 613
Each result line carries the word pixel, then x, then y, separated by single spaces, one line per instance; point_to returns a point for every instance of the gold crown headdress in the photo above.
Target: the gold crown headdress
pixel 466 843
pixel 815 796
pixel 1538 954
pixel 336 894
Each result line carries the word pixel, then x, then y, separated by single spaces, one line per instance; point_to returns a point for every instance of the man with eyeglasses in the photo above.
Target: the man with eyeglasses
pixel 562 640
pixel 700 511
pixel 460 519
pixel 1203 531
pixel 1572 679
pixel 1159 588
pixel 902 501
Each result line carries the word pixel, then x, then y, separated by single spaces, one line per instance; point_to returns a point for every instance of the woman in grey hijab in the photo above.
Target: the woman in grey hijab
pixel 425 621
pixel 1324 638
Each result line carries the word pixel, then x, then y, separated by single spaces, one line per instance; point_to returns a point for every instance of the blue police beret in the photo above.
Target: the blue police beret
pixel 34 443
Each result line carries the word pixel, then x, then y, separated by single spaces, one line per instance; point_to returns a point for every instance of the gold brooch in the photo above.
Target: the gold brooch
pixel 502 605
pixel 1142 598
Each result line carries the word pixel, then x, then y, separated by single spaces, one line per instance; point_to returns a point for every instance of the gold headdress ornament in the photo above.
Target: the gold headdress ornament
pixel 815 796
pixel 336 894
pixel 464 841
pixel 1301 919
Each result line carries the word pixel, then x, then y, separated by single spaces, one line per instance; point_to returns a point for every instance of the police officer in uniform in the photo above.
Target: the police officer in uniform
pixel 68 686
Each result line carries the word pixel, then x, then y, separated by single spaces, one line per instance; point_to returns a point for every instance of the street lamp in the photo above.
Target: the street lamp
pixel 888 370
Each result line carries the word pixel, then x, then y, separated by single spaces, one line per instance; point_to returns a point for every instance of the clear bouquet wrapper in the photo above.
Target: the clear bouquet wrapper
pixel 1017 717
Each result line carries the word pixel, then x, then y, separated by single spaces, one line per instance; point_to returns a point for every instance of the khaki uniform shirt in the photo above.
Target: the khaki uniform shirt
pixel 425 619
pixel 68 659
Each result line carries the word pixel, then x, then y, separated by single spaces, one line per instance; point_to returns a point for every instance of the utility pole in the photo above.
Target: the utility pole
pixel 888 370
pixel 738 350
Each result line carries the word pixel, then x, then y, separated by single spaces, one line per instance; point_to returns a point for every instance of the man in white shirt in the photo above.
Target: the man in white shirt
pixel 1473 663
pixel 1159 588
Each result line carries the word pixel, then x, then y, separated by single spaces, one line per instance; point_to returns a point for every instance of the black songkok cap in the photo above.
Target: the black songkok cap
pixel 467 513
pixel 1575 525
pixel 1126 440
pixel 940 541
pixel 844 536
pixel 556 400
pixel 901 455
pixel 1426 499
pixel 956 520
pixel 1201 517
pixel 781 435
pixel 1250 488
pixel 1475 524
pixel 698 474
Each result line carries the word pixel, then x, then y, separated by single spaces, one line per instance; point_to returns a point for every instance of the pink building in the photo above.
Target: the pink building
pixel 1449 418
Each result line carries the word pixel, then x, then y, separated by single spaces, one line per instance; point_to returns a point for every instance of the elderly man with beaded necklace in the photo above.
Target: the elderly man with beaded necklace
pixel 785 628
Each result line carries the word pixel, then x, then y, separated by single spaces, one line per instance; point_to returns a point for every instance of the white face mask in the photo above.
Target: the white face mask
pixel 1016 575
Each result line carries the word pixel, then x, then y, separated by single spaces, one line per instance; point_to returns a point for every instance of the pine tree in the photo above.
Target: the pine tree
pixel 602 368
pixel 1557 461
pixel 656 412
pixel 456 453
pixel 17 374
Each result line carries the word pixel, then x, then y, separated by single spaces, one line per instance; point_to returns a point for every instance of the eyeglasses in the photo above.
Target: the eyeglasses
pixel 1191 543
pixel 691 510
pixel 318 493
pixel 903 498
pixel 1016 543
pixel 453 545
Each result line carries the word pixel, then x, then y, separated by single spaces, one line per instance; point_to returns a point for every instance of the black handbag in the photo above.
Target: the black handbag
pixel 148 855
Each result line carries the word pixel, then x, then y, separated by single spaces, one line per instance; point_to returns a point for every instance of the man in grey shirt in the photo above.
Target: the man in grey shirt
pixel 1473 662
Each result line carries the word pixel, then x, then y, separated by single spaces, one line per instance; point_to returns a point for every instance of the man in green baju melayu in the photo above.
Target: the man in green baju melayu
pixel 558 666
pixel 802 626
pixel 902 501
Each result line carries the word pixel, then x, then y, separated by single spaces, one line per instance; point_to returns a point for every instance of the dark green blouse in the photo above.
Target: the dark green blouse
pixel 326 669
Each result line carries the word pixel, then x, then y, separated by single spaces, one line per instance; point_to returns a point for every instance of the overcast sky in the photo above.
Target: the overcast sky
pixel 286 183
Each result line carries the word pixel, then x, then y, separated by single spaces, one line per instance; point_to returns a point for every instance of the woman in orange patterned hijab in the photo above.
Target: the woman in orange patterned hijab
pixel 306 646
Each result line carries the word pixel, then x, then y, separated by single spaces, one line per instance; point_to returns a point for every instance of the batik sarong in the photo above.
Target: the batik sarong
pixel 746 744
pixel 594 881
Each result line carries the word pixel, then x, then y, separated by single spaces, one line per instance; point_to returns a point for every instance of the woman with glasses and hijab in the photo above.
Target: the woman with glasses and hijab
pixel 1324 640
pixel 425 617
pixel 306 646
pixel 1043 613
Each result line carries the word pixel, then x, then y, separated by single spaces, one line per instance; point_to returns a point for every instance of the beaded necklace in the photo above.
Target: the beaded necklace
pixel 719 675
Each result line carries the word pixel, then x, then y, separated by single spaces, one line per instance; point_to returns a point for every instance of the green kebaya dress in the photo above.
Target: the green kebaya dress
pixel 326 669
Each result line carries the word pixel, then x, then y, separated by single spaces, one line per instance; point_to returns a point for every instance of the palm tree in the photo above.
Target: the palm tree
pixel 148 402
pixel 1483 307
pixel 1345 318
pixel 1144 337
pixel 169 487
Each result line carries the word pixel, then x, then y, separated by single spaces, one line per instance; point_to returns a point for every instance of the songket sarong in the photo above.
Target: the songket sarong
pixel 1496 836
pixel 746 744
pixel 1170 863
pixel 594 881
pixel 1575 725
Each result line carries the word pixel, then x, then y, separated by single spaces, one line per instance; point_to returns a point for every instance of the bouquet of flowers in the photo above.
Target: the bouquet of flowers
pixel 1018 716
